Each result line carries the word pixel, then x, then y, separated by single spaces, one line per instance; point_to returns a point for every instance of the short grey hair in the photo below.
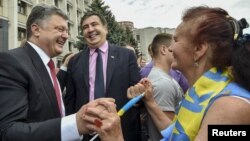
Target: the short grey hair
pixel 40 13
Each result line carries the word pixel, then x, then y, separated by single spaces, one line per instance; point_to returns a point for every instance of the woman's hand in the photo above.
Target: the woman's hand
pixel 144 86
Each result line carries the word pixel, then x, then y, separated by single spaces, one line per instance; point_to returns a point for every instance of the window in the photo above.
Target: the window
pixel 70 46
pixel 79 16
pixel 22 7
pixel 56 3
pixel 21 33
pixel 68 10
pixel 69 28
pixel 138 38
pixel 86 2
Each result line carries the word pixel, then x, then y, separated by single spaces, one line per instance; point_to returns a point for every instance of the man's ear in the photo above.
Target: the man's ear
pixel 35 29
pixel 163 49
pixel 200 50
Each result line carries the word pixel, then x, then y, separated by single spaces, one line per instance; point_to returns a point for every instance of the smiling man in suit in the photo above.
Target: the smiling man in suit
pixel 31 106
pixel 102 70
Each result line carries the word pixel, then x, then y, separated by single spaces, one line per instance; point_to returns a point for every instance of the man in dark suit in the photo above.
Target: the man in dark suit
pixel 31 106
pixel 119 71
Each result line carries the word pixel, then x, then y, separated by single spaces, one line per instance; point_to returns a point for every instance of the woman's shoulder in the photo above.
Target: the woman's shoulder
pixel 229 110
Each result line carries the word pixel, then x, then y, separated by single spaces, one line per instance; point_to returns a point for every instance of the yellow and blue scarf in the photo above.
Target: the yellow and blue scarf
pixel 190 114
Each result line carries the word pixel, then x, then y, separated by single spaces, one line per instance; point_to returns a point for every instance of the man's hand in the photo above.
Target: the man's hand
pixel 105 122
pixel 83 124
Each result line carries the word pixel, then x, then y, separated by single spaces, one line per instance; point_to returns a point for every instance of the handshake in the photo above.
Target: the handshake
pixel 100 116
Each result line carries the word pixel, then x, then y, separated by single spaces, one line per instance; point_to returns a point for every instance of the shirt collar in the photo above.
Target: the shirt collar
pixel 45 58
pixel 103 48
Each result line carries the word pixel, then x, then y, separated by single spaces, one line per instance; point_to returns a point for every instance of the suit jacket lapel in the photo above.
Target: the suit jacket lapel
pixel 46 81
pixel 85 67
pixel 111 64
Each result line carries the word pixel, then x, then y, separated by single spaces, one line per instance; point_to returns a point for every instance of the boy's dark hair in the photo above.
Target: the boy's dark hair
pixel 93 13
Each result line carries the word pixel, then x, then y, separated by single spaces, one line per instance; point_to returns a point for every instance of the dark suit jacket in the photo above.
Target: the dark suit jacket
pixel 28 106
pixel 122 72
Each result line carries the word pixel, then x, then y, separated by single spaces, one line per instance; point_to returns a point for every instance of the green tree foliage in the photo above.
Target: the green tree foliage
pixel 129 38
pixel 116 34
pixel 81 43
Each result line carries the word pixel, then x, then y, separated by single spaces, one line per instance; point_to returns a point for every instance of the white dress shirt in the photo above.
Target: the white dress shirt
pixel 69 131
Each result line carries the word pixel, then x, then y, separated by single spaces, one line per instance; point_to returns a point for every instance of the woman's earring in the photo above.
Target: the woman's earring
pixel 196 64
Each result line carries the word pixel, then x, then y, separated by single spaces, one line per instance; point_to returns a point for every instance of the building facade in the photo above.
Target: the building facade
pixel 14 14
pixel 144 37
pixel 126 24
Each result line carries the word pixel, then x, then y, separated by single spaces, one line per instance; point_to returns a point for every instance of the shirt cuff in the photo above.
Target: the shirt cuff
pixel 69 131
pixel 63 68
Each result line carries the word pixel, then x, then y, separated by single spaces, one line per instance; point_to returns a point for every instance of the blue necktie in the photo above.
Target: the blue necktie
pixel 99 80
